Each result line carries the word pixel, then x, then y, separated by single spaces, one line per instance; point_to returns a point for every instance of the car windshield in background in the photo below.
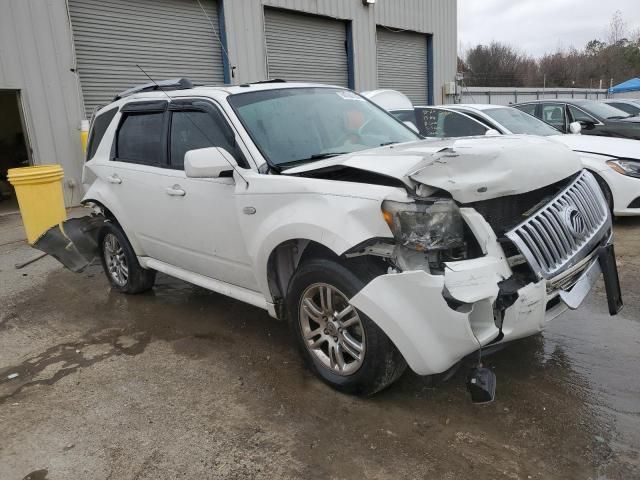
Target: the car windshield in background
pixel 297 125
pixel 520 122
pixel 602 110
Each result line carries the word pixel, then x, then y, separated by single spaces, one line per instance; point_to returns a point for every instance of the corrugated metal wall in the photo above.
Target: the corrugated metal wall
pixel 245 33
pixel 36 58
pixel 318 53
pixel 402 63
pixel 167 38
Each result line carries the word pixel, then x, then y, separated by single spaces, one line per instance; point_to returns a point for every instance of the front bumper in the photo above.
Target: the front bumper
pixel 433 336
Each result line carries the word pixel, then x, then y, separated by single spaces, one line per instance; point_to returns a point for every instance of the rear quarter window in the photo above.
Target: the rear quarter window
pixel 98 129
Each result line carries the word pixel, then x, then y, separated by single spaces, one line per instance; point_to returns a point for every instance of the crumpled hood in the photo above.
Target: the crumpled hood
pixel 470 169
pixel 607 146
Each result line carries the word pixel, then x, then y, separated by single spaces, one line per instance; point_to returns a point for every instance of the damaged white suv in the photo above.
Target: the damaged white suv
pixel 381 249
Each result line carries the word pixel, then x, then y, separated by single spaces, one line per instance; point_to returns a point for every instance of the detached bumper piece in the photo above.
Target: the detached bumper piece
pixel 481 384
pixel 74 242
pixel 607 260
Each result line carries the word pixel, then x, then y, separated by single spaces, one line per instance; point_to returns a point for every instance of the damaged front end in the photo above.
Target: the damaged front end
pixel 460 280
pixel 74 242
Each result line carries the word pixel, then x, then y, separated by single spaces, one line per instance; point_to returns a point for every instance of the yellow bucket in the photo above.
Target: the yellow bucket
pixel 40 197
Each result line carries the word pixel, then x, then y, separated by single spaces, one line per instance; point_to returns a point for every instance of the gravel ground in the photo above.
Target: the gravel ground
pixel 184 383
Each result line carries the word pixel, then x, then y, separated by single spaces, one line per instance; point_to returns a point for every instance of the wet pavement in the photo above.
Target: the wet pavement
pixel 183 383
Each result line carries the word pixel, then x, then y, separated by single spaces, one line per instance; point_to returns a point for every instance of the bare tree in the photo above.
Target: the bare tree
pixel 617 28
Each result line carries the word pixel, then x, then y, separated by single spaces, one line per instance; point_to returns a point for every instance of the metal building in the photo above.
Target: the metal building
pixel 62 59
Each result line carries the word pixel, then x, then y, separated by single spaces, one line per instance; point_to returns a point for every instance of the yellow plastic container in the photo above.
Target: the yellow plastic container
pixel 40 197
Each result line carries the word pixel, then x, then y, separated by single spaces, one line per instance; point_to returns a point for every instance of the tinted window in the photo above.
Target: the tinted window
pixel 442 123
pixel 99 127
pixel 602 110
pixel 553 114
pixel 191 130
pixel 140 139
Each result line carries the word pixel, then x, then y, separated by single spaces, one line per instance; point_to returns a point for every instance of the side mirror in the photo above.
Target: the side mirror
pixel 411 126
pixel 575 128
pixel 210 162
pixel 587 125
pixel 491 132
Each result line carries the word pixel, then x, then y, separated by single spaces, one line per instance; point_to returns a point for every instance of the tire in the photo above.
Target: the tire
pixel 120 263
pixel 375 366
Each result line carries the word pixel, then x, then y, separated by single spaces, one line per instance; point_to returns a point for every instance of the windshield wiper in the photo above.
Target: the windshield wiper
pixel 618 117
pixel 387 143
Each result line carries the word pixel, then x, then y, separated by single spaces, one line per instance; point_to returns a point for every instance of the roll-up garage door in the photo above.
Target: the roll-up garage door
pixel 306 48
pixel 402 63
pixel 167 38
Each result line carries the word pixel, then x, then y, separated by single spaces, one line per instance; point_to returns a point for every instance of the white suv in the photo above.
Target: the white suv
pixel 380 248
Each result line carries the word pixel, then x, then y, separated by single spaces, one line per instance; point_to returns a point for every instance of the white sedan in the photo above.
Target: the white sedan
pixel 614 161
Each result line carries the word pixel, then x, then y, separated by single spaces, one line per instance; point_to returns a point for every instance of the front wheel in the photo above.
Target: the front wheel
pixel 340 344
pixel 120 263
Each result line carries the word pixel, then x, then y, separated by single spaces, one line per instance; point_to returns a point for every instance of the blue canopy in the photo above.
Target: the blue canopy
pixel 632 85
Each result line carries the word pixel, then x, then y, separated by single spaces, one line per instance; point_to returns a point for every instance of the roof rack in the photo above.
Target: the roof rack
pixel 271 80
pixel 163 85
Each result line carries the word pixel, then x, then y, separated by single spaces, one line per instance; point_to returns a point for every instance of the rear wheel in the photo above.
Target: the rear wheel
pixel 340 344
pixel 120 263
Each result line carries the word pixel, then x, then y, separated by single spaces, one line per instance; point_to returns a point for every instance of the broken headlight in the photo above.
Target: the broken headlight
pixel 425 227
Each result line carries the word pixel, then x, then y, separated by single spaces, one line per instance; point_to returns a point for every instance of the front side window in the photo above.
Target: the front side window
pixel 140 139
pixel 578 115
pixel 553 114
pixel 433 122
pixel 520 122
pixel 298 125
pixel 193 129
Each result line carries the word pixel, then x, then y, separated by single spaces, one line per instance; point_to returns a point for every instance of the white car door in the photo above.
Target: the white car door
pixel 189 223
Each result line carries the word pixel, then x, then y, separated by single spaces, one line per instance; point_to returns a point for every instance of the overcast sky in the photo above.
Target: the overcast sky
pixel 539 26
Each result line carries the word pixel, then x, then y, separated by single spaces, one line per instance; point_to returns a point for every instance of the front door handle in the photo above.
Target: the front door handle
pixel 176 191
pixel 114 179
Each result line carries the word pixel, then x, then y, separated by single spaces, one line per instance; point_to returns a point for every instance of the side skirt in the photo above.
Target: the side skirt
pixel 233 291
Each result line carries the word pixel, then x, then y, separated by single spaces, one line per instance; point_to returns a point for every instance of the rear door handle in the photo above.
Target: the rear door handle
pixel 114 179
pixel 176 191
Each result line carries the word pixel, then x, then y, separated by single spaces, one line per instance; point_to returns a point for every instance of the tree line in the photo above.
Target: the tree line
pixel 599 62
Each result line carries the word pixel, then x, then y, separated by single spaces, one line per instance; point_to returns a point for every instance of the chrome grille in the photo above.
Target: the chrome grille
pixel 566 230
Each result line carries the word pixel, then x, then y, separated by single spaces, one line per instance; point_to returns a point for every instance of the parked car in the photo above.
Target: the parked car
pixel 631 106
pixel 614 162
pixel 314 204
pixel 596 118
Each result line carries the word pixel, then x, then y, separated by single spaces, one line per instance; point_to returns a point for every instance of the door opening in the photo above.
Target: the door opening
pixel 14 146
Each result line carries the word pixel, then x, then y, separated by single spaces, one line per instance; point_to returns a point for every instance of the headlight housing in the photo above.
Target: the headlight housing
pixel 424 227
pixel 625 166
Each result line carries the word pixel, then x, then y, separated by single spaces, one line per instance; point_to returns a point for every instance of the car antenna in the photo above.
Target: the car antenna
pixel 215 33
pixel 234 167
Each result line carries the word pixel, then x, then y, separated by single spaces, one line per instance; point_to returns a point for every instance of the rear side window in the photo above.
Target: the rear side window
pixel 140 139
pixel 193 129
pixel 98 129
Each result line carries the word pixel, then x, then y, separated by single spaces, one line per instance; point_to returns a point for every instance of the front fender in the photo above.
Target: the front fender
pixel 336 222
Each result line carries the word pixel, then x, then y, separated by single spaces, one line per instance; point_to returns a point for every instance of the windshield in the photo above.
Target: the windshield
pixel 602 110
pixel 297 125
pixel 519 122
